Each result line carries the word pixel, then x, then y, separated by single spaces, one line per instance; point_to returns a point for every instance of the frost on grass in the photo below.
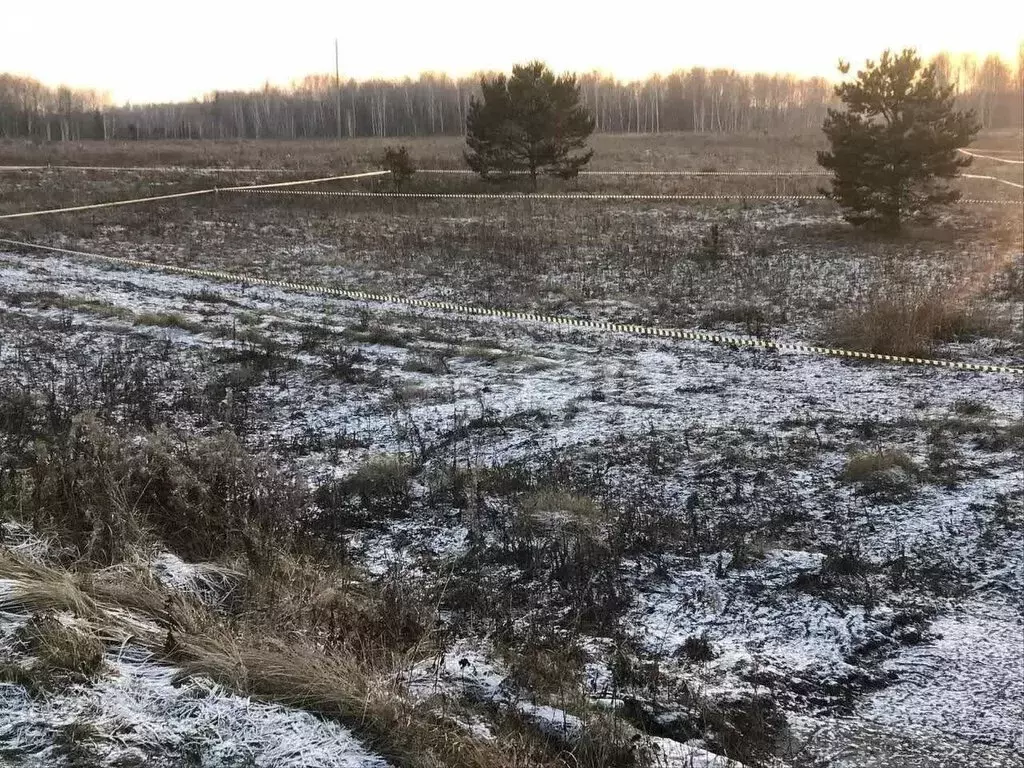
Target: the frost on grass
pixel 766 621
pixel 968 682
pixel 139 715
pixel 207 582
pixel 673 754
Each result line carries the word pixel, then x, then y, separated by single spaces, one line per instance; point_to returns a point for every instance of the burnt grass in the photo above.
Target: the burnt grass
pixel 552 530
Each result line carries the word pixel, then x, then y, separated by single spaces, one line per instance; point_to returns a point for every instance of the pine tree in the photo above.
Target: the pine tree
pixel 532 122
pixel 896 142
pixel 400 164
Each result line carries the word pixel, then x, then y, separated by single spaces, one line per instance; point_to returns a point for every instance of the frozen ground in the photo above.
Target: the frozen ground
pixel 869 673
pixel 139 713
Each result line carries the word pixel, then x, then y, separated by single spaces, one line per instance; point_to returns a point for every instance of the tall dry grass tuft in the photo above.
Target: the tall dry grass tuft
pixel 910 325
pixel 367 699
pixel 109 493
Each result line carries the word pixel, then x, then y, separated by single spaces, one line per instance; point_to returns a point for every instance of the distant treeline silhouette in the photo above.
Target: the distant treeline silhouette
pixel 698 100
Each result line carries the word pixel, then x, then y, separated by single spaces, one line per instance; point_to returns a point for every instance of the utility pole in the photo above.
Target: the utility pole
pixel 337 84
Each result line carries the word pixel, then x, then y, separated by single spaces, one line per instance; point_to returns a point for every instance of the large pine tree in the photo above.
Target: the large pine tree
pixel 896 143
pixel 531 122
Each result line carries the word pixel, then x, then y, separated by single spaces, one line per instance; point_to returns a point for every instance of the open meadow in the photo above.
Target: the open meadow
pixel 249 525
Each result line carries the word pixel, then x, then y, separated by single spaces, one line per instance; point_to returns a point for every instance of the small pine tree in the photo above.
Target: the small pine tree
pixel 895 143
pixel 399 163
pixel 532 122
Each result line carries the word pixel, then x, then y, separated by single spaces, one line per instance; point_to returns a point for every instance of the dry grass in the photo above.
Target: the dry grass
pixel 612 151
pixel 363 692
pixel 62 648
pixel 910 325
pixel 883 473
pixel 367 699
pixel 556 510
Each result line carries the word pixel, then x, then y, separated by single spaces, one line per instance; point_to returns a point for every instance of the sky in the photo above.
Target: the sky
pixel 145 51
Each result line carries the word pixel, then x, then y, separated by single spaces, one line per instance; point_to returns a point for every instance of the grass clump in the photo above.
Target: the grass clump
pixel 559 510
pixel 909 326
pixel 98 307
pixel 50 652
pixel 168 320
pixel 886 473
pixel 380 489
pixel 106 492
pixel 431 362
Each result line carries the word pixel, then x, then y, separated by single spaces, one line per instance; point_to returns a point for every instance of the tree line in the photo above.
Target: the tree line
pixel 696 100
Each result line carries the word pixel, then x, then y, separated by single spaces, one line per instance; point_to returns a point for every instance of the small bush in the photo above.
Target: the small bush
pixel 433 363
pixel 106 491
pixel 398 162
pixel 886 473
pixel 383 483
pixel 967 406
pixel 608 741
pixel 168 320
pixel 910 326
pixel 846 561
pixel 60 654
pixel 745 726
pixel 557 510
pixel 713 247
pixel 756 320
pixel 344 363
pixel 698 648
pixel 380 489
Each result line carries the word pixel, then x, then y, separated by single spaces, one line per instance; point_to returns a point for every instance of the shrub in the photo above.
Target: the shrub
pixel 886 473
pixel 559 511
pixel 967 406
pixel 398 162
pixel 606 740
pixel 756 320
pixel 168 320
pixel 908 326
pixel 712 248
pixel 745 725
pixel 547 663
pixel 57 654
pixel 698 648
pixel 106 491
pixel 380 489
pixel 430 362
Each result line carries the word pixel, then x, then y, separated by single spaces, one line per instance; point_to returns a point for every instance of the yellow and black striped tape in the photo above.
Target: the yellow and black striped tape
pixel 465 309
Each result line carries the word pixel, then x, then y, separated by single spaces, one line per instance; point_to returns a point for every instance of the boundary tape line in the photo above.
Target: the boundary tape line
pixel 155 168
pixel 990 157
pixel 530 317
pixel 450 171
pixel 540 195
pixel 567 196
pixel 467 172
pixel 453 171
pixel 193 193
pixel 993 178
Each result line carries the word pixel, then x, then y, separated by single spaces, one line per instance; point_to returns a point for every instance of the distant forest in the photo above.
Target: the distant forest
pixel 698 100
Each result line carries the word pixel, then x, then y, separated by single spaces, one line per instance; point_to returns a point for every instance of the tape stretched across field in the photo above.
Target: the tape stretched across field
pixel 193 193
pixel 528 317
pixel 452 171
pixel 994 178
pixel 276 188
pixel 568 196
pixel 143 168
pixel 990 157
pixel 467 172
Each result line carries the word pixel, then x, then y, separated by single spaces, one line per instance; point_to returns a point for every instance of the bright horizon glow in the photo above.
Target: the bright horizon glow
pixel 180 51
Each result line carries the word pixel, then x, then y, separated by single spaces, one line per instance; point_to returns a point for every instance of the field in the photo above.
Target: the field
pixel 248 525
